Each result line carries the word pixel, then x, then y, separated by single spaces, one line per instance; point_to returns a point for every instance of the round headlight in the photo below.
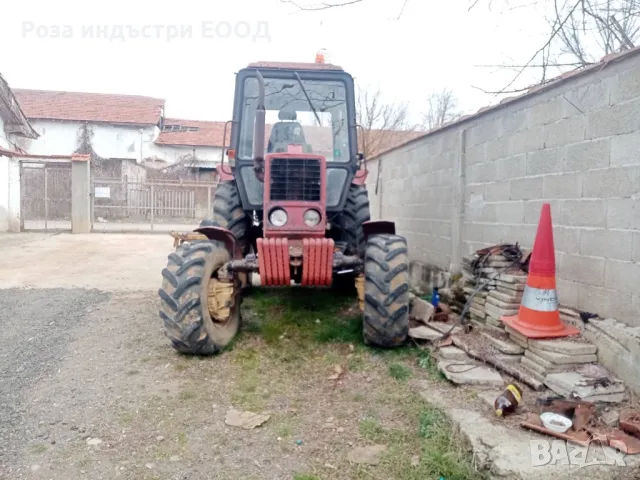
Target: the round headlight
pixel 278 217
pixel 311 218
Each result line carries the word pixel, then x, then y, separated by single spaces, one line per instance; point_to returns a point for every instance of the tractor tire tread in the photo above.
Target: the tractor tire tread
pixel 386 302
pixel 180 304
pixel 356 212
pixel 228 213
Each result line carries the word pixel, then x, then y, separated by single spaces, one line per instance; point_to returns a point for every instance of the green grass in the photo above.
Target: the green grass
pixel 399 371
pixel 299 325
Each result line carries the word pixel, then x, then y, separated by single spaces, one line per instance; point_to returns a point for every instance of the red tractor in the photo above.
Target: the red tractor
pixel 292 207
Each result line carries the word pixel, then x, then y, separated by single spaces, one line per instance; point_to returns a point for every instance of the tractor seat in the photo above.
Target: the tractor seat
pixel 286 132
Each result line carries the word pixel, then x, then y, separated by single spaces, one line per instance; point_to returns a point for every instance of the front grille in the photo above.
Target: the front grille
pixel 295 179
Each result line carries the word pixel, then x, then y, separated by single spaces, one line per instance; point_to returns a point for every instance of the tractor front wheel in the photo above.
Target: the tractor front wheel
pixel 386 291
pixel 199 307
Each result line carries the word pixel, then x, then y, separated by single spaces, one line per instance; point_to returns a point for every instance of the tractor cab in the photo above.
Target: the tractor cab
pixel 307 108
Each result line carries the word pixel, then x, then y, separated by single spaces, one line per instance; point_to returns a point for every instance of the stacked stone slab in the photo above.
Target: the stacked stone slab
pixel 543 357
pixel 501 292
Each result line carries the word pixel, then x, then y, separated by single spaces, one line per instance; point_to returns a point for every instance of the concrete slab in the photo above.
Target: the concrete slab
pixel 504 345
pixel 494 322
pixel 507 298
pixel 510 288
pixel 421 310
pixel 514 334
pixel 477 312
pixel 424 333
pixel 550 366
pixel 506 358
pixel 534 373
pixel 469 373
pixel 564 346
pixel 507 278
pixel 499 311
pixel 453 353
pixel 508 452
pixel 576 385
pixel 562 359
pixel 503 305
pixel 445 327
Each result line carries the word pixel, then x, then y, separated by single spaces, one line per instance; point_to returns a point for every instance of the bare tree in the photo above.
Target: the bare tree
pixel 442 108
pixel 580 33
pixel 384 124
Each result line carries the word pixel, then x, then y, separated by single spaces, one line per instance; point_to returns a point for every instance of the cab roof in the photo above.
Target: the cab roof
pixel 296 66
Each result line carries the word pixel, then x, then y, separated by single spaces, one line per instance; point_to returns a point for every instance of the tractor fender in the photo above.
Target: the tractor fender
pixel 360 177
pixel 222 235
pixel 376 227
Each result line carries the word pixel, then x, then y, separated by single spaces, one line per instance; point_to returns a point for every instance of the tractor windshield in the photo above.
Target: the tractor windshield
pixel 314 116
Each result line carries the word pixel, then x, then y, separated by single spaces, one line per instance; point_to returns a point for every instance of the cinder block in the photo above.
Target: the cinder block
pixel 475 154
pixel 636 248
pixel 482 132
pixel 474 193
pixel 612 182
pixel 544 161
pixel 623 213
pixel 482 172
pixel 587 155
pixel 615 120
pixel 626 86
pixel 513 121
pixel 586 98
pixel 583 213
pixel 562 186
pixel 587 270
pixel 624 149
pixel 472 232
pixel 532 209
pixel 497 191
pixel 567 291
pixel 547 112
pixel 566 239
pixel 622 276
pixel 485 212
pixel 565 131
pixel 606 303
pixel 527 141
pixel 511 167
pixel 526 189
pixel 497 148
pixel 614 244
pixel 509 212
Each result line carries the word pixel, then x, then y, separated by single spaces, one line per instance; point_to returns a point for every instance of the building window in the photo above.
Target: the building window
pixel 179 128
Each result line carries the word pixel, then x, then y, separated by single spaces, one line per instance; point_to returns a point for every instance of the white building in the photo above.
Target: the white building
pixel 123 127
pixel 14 129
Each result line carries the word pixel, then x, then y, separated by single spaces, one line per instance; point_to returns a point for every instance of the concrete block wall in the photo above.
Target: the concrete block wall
pixel 482 181
pixel 9 195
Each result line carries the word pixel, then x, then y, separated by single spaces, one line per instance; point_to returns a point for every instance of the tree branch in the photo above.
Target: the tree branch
pixel 321 6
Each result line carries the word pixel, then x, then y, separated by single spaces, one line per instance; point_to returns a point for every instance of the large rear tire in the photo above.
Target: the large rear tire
pixel 386 291
pixel 184 305
pixel 355 213
pixel 228 213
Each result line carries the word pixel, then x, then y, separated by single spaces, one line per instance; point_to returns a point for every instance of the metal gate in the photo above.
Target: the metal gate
pixel 45 195
pixel 123 205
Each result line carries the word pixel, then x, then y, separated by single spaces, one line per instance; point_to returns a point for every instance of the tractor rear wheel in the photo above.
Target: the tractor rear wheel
pixel 228 213
pixel 355 213
pixel 200 309
pixel 386 291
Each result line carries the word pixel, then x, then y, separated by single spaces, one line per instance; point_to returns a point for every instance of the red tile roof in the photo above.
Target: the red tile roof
pixel 91 107
pixel 209 134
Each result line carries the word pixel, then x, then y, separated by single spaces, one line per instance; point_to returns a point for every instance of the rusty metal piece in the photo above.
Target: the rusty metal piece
pixel 180 238
pixel 220 299
pixel 360 289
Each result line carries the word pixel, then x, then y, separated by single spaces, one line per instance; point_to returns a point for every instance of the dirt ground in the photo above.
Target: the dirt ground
pixel 91 388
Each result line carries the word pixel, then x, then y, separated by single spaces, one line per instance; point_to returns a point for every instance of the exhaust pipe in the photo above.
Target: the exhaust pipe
pixel 259 131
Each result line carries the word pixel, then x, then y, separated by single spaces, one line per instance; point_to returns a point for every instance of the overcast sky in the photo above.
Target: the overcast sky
pixel 434 44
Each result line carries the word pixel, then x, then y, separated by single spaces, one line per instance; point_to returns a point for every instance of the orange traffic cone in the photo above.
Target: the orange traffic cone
pixel 539 316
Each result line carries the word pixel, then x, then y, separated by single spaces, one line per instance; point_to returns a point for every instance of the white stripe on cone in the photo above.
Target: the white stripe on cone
pixel 540 299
